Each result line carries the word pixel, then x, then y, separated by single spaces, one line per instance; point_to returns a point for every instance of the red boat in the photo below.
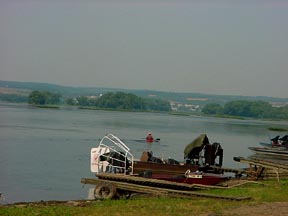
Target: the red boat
pixel 113 156
pixel 199 155
pixel 197 177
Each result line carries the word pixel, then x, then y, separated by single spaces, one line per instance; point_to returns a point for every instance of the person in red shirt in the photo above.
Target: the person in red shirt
pixel 149 137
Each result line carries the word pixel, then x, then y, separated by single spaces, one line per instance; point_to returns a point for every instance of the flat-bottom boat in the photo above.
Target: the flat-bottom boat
pixel 113 156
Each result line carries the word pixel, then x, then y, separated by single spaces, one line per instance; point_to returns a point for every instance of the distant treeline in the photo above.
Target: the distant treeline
pixel 184 98
pixel 116 101
pixel 127 101
pixel 250 109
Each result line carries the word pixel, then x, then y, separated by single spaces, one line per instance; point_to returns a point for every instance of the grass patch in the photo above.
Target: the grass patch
pixel 277 129
pixel 47 106
pixel 180 113
pixel 269 191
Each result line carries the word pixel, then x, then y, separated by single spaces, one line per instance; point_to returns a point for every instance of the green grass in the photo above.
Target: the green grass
pixel 180 113
pixel 277 129
pixel 269 191
pixel 47 106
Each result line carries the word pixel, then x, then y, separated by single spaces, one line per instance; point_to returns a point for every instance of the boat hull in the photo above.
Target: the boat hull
pixel 161 168
pixel 278 151
pixel 140 167
pixel 193 178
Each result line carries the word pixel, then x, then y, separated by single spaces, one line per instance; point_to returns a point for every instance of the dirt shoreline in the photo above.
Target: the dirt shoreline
pixel 263 209
pixel 51 203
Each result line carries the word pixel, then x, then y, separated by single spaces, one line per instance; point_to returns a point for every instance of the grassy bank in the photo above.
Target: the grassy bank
pixel 277 129
pixel 262 192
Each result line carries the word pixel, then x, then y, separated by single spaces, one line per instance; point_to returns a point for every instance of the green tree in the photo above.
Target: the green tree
pixel 120 100
pixel 157 104
pixel 280 113
pixel 212 109
pixel 43 97
pixel 83 101
pixel 36 97
pixel 128 101
pixel 71 101
pixel 245 108
pixel 260 109
pixel 255 109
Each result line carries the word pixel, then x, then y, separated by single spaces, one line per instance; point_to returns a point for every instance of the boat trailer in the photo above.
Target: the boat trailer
pixel 258 169
pixel 114 186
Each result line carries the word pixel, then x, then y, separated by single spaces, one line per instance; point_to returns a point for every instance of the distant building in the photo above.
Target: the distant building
pixel 196 99
pixel 176 106
pixel 93 97
pixel 278 104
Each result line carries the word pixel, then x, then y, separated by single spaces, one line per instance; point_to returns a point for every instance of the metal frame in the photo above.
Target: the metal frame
pixel 113 144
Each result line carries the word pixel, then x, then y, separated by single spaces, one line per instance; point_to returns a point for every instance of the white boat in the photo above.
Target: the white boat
pixel 111 155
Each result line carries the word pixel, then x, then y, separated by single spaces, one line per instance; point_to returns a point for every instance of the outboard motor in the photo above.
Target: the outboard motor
pixel 193 152
pixel 218 153
pixel 208 155
pixel 211 153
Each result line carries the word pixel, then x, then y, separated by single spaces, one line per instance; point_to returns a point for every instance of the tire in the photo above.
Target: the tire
pixel 105 191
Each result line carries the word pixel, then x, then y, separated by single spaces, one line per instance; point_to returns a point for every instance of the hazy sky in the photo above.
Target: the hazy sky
pixel 235 47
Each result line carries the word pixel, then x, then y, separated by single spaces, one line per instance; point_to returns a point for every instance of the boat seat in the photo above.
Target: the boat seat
pixel 144 157
pixel 171 161
pixel 148 157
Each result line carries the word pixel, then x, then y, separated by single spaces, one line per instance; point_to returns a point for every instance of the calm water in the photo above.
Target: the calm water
pixel 45 152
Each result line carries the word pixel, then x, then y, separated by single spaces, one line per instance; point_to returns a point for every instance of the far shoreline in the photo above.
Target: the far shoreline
pixel 174 113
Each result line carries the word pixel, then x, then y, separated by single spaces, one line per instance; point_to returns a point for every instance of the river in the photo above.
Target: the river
pixel 44 153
